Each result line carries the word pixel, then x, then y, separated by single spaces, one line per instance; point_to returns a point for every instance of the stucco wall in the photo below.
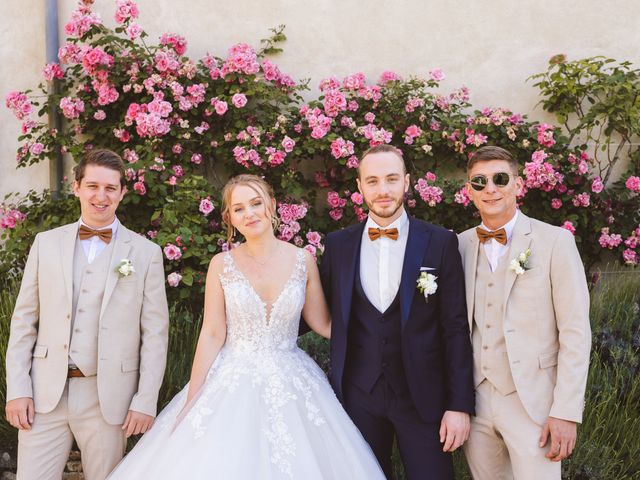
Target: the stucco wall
pixel 491 46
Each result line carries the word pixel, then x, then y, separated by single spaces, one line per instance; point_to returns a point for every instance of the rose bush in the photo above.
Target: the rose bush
pixel 184 126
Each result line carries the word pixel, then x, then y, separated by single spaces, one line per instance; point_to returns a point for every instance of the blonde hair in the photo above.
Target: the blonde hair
pixel 258 185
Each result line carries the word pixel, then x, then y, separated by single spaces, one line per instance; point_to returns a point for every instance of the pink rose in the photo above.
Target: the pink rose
pixel 133 30
pixel 335 213
pixel 99 115
pixel 567 225
pixel 314 238
pixel 172 252
pixel 221 107
pixel 196 158
pixel 206 206
pixel 556 203
pixel 239 100
pixel 288 144
pixel 597 185
pixel 139 188
pixel 36 148
pixel 436 74
pixel 173 279
pixel 633 184
pixel 357 198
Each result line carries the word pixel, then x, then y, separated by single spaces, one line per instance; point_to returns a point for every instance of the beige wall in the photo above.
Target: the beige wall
pixel 491 46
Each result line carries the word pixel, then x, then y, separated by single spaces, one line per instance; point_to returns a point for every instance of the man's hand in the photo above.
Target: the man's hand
pixel 19 412
pixel 563 438
pixel 454 430
pixel 136 423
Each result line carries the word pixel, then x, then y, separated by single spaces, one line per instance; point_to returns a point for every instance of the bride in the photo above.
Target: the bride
pixel 256 406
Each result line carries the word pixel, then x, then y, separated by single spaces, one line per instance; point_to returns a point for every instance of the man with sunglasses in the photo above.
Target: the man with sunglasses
pixel 528 312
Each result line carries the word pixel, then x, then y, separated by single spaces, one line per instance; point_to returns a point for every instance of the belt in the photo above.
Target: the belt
pixel 74 373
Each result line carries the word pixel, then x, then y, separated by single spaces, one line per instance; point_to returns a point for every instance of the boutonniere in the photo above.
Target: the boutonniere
pixel 520 264
pixel 125 268
pixel 427 284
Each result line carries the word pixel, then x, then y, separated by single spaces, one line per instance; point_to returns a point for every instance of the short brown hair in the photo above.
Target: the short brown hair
pixel 103 158
pixel 258 185
pixel 491 152
pixel 384 148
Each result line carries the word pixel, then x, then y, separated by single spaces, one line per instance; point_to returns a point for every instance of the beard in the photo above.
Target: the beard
pixel 388 211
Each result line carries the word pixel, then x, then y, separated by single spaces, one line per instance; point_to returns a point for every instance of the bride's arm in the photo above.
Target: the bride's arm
pixel 214 328
pixel 315 311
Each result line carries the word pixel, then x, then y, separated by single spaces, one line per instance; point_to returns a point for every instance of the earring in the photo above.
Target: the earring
pixel 234 233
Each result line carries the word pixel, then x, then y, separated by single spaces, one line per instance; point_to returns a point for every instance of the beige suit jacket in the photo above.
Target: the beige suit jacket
pixel 546 318
pixel 133 326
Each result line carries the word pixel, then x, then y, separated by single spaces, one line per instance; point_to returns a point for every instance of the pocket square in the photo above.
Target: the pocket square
pixel 427 269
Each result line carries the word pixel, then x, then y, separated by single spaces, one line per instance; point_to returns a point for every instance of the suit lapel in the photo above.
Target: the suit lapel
pixel 349 260
pixel 120 250
pixel 67 252
pixel 520 241
pixel 417 244
pixel 470 267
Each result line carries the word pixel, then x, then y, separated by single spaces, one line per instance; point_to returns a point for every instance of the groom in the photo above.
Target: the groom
pixel 401 360
pixel 529 316
pixel 88 341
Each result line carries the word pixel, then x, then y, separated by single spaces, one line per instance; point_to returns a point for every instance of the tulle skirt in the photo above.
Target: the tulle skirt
pixel 270 415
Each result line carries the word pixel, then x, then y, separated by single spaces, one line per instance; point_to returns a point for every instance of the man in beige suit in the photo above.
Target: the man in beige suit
pixel 88 342
pixel 528 308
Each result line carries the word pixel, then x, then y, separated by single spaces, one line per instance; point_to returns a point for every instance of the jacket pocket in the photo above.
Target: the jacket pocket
pixel 547 360
pixel 40 351
pixel 130 364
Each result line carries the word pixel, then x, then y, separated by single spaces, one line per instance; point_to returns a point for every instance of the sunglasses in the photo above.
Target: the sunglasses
pixel 500 179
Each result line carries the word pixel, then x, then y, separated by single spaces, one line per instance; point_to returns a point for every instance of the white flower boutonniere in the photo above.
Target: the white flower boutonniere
pixel 427 284
pixel 125 268
pixel 520 264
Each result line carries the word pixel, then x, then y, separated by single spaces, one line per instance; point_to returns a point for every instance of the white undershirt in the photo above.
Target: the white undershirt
pixel 94 246
pixel 381 262
pixel 494 249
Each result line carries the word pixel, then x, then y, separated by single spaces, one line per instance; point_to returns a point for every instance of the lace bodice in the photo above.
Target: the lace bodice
pixel 252 324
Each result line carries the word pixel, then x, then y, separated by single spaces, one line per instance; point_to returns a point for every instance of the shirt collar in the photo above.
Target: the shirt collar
pixel 508 227
pixel 113 226
pixel 400 223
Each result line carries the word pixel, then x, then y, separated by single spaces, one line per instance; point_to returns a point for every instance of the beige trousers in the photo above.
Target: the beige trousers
pixel 43 451
pixel 503 443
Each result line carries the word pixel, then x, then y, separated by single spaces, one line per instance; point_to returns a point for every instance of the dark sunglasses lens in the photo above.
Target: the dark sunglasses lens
pixel 501 179
pixel 478 182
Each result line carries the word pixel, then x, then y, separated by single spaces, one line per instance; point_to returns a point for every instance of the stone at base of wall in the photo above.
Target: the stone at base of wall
pixel 72 471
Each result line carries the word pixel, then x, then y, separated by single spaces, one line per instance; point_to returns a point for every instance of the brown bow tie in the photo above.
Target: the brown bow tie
pixel 499 235
pixel 376 233
pixel 86 233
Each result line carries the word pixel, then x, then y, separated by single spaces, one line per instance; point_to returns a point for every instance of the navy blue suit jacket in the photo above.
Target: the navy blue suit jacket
pixel 436 347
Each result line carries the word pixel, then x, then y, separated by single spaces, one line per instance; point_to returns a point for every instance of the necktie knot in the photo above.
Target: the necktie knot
pixel 376 233
pixel 499 235
pixel 85 233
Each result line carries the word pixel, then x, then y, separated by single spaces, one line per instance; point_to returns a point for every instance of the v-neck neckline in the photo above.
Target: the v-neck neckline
pixel 268 309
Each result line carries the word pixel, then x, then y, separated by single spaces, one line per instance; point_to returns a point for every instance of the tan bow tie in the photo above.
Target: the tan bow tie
pixel 376 233
pixel 86 233
pixel 499 235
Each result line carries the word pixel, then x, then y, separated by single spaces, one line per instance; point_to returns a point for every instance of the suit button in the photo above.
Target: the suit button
pixel 80 310
pixel 76 330
pixel 84 290
pixel 65 347
pixel 68 315
pixel 489 304
pixel 484 347
pixel 490 285
pixel 384 341
pixel 487 326
pixel 385 364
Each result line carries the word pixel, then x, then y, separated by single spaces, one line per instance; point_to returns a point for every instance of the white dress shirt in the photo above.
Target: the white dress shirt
pixel 381 262
pixel 494 249
pixel 94 246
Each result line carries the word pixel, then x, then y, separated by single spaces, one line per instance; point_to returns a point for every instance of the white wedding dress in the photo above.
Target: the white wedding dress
pixel 265 411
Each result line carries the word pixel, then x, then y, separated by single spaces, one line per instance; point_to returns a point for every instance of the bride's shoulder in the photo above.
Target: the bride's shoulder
pixel 216 265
